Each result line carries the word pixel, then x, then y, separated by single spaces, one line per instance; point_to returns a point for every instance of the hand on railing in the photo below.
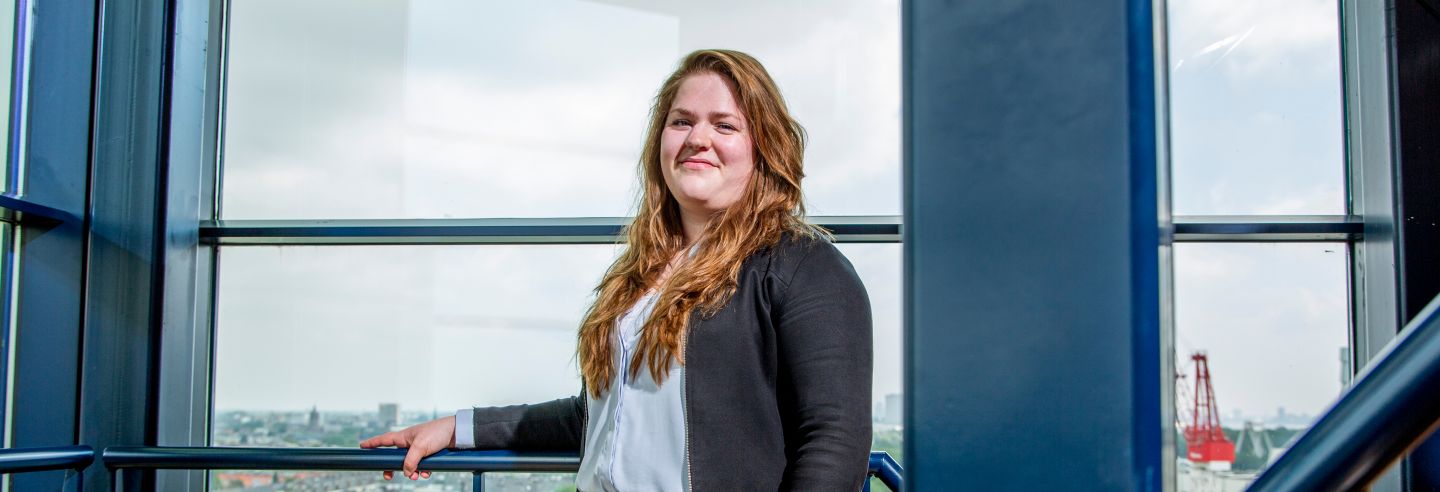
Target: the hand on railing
pixel 421 439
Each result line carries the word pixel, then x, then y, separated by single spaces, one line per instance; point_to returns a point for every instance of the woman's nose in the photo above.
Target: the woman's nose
pixel 698 138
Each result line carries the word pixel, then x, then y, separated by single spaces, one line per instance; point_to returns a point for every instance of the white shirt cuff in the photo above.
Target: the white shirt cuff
pixel 465 429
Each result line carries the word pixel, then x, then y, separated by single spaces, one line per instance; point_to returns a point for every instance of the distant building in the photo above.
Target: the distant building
pixel 894 409
pixel 1345 370
pixel 389 414
pixel 314 421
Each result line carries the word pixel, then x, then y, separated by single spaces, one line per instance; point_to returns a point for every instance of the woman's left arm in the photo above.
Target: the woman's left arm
pixel 825 351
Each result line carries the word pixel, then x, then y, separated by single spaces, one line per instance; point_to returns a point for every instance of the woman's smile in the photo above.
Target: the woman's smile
pixel 696 163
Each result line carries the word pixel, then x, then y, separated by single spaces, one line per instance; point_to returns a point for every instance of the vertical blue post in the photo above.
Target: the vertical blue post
pixel 55 129
pixel 478 485
pixel 1032 240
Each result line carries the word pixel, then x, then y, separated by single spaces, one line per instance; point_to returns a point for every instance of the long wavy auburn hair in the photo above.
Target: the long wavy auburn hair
pixel 771 206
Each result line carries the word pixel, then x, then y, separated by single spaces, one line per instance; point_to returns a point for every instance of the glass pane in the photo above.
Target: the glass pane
pixel 1272 324
pixel 879 268
pixel 455 108
pixel 323 345
pixel 1255 107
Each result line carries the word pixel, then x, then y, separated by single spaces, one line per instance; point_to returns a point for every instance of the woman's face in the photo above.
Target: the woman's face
pixel 706 153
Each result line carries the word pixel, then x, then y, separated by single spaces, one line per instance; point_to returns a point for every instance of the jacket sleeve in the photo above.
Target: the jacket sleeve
pixel 824 341
pixel 556 425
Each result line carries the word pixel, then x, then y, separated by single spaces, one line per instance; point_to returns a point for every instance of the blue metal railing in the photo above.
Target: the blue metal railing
pixel 119 458
pixel 73 459
pixel 1390 409
pixel 883 467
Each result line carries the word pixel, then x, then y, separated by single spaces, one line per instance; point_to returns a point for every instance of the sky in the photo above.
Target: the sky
pixel 461 109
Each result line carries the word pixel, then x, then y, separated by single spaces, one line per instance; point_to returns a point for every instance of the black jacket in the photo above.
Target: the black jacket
pixel 777 383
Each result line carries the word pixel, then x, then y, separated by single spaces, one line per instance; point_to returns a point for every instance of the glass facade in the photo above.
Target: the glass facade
pixel 447 109
pixel 451 109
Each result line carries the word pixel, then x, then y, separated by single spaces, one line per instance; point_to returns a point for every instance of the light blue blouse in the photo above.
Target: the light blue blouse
pixel 635 435
pixel 635 438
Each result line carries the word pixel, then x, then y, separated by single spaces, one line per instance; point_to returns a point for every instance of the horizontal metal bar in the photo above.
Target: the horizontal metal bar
pixel 19 460
pixel 570 230
pixel 607 230
pixel 1390 409
pixel 18 210
pixel 349 459
pixel 1267 228
pixel 203 458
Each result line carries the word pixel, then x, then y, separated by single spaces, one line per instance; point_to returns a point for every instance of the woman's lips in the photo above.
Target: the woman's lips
pixel 696 164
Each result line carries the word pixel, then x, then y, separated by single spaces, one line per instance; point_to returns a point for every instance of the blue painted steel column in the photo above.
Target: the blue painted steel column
pixel 182 396
pixel 125 268
pixel 50 297
pixel 1032 238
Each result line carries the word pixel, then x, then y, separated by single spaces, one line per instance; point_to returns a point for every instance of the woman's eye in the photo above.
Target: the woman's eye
pixel 680 123
pixel 726 127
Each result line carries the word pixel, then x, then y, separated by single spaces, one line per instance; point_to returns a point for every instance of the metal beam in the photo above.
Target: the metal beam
pixel 17 210
pixel 1272 228
pixel 606 230
pixel 184 392
pixel 1032 244
pixel 50 289
pixel 126 267
pixel 581 230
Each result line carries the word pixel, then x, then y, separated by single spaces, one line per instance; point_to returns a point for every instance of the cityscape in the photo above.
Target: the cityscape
pixel 1257 440
pixel 323 428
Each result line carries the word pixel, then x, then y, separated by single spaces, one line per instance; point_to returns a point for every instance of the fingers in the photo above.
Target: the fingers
pixel 412 463
pixel 424 475
pixel 387 439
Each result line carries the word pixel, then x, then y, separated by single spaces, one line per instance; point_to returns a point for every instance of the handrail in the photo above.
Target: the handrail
pixel 1389 410
pixel 20 460
pixel 118 458
pixel 217 458
pixel 883 467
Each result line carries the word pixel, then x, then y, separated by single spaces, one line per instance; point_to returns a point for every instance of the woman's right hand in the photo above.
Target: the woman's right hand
pixel 421 439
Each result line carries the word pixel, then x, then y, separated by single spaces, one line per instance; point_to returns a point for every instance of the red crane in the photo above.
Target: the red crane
pixel 1204 439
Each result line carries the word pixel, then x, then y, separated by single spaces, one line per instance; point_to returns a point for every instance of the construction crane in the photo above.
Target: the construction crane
pixel 1205 441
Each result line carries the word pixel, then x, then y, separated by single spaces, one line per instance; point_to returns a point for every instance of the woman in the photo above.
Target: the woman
pixel 729 347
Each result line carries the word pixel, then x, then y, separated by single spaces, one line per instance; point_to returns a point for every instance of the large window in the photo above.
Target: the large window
pixel 447 108
pixel 1256 135
pixel 408 111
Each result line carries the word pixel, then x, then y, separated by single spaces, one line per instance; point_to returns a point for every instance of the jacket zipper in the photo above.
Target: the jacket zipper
pixel 685 409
